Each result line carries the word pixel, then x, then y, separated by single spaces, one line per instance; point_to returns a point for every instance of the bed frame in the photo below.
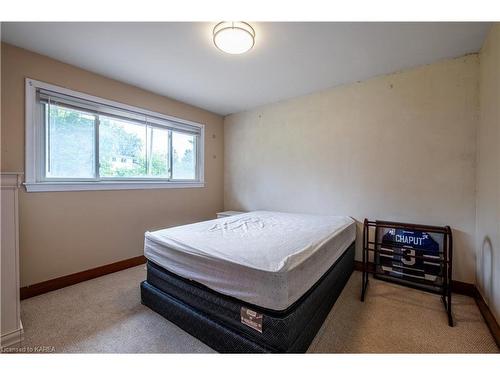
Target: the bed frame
pixel 215 318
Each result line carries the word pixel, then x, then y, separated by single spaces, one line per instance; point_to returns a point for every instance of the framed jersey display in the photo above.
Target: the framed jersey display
pixel 414 255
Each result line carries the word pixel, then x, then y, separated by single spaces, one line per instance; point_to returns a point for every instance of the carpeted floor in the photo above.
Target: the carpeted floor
pixel 105 315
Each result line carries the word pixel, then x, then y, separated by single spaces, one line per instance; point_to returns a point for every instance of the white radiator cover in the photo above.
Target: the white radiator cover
pixel 11 326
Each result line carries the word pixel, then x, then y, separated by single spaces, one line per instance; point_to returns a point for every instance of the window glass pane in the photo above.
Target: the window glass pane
pixel 184 158
pixel 122 148
pixel 69 143
pixel 158 152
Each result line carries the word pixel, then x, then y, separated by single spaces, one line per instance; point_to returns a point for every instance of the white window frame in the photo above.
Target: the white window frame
pixel 35 134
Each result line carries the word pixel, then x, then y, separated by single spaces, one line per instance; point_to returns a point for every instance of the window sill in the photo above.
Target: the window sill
pixel 109 185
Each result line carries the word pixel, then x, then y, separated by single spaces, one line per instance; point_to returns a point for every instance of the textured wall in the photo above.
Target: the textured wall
pixel 488 173
pixel 66 232
pixel 397 147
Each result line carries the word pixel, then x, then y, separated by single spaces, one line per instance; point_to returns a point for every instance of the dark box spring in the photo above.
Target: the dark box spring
pixel 215 318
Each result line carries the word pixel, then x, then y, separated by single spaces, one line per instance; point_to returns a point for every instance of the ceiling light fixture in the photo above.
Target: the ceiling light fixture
pixel 234 37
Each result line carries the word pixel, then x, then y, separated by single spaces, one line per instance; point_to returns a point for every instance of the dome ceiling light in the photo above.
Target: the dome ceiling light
pixel 234 37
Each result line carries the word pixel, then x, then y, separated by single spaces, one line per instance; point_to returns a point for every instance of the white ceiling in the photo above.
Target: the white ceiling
pixel 178 60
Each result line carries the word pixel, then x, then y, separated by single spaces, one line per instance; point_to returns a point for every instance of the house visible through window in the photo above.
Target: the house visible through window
pixel 78 139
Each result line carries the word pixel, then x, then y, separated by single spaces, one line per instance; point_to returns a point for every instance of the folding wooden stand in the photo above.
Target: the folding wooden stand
pixel 372 244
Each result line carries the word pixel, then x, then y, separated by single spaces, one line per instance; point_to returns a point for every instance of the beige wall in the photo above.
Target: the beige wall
pixel 488 173
pixel 397 147
pixel 66 232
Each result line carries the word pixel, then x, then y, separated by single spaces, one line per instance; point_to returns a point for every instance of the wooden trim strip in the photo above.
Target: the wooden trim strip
pixel 488 316
pixel 64 281
pixel 460 287
pixel 358 266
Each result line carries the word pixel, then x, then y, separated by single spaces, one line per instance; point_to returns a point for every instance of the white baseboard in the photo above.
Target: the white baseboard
pixel 12 338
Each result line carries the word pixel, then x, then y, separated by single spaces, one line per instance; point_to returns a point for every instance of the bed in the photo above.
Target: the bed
pixel 256 282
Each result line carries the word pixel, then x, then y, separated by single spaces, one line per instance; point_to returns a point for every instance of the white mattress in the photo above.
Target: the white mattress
pixel 269 259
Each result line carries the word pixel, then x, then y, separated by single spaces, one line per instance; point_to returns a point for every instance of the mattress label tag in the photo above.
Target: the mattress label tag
pixel 251 318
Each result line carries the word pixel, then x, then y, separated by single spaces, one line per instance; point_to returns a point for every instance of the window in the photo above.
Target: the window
pixel 78 142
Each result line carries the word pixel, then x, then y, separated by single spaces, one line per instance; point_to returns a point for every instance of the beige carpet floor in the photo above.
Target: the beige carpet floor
pixel 105 315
